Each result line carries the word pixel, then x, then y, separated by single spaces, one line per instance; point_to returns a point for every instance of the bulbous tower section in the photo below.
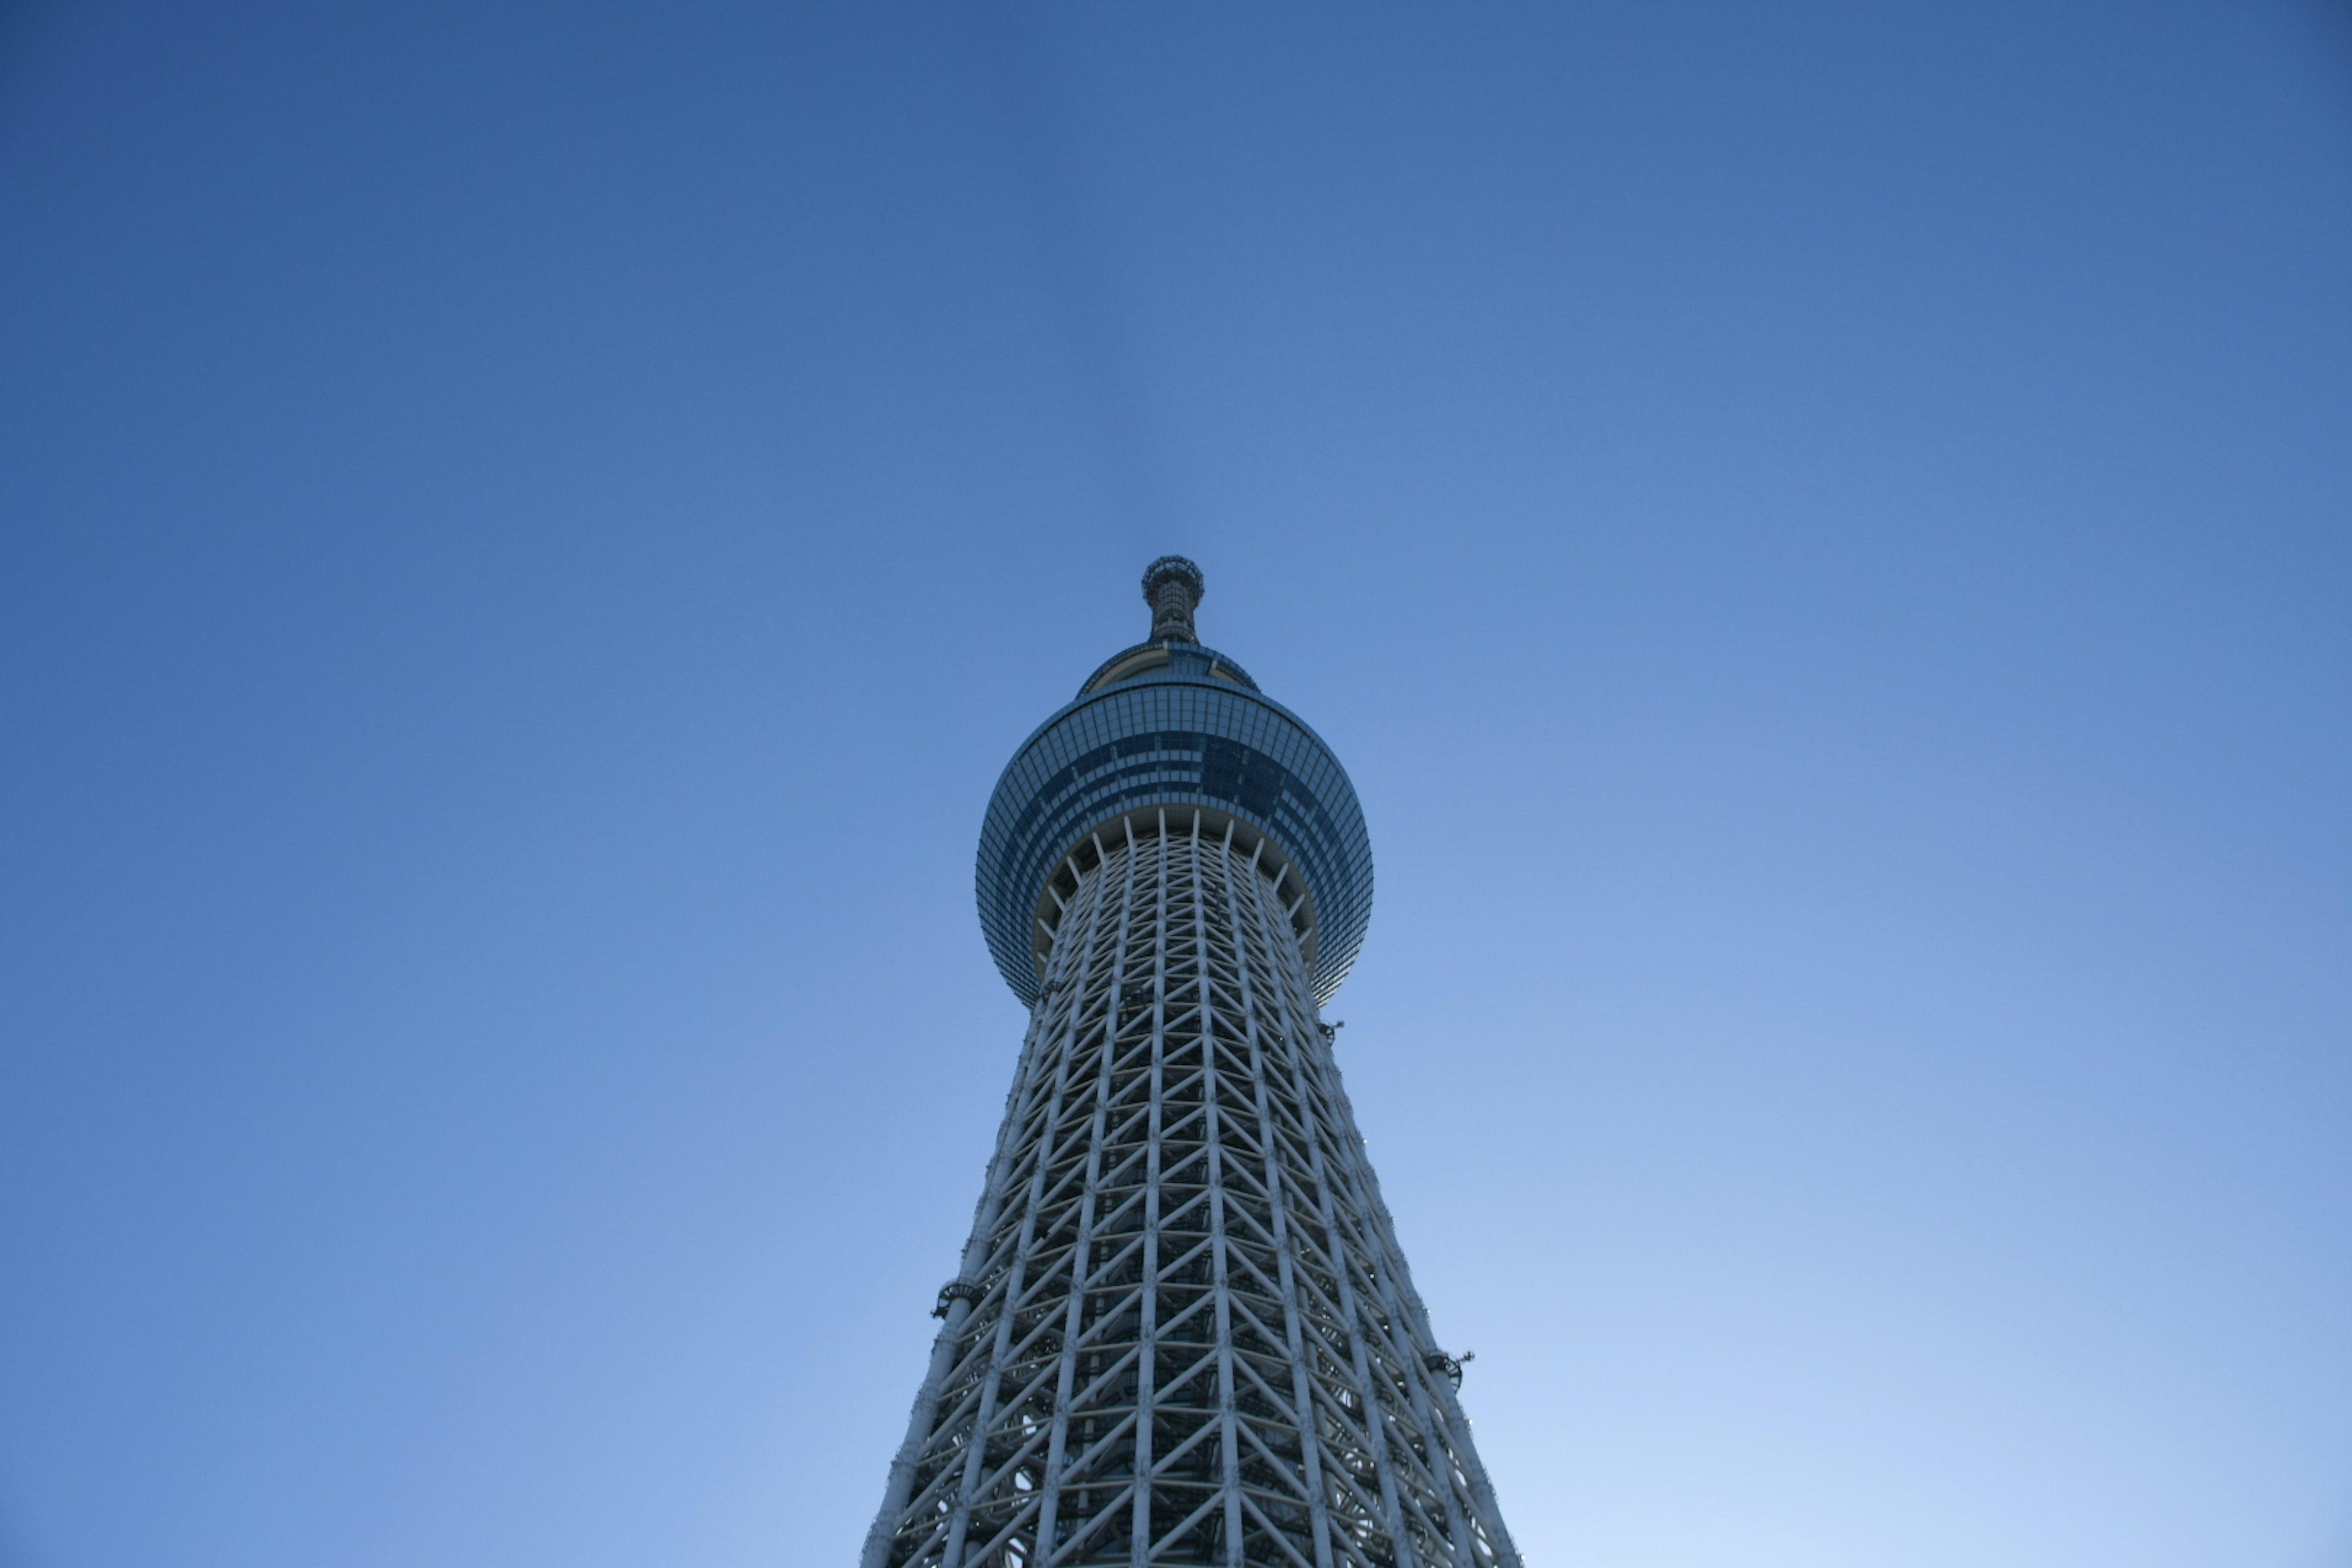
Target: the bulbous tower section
pixel 1182 1331
pixel 1171 726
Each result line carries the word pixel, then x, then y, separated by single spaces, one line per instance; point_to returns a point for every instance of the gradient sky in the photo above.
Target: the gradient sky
pixel 1823 534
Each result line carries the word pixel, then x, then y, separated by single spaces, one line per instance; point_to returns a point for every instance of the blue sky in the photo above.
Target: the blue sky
pixel 1820 532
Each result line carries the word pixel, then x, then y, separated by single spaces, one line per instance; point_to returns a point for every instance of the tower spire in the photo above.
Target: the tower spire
pixel 1173 587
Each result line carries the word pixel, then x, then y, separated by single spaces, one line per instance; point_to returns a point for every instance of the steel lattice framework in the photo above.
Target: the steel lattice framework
pixel 1183 1332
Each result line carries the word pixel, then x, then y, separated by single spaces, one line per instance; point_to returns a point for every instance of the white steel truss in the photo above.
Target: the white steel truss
pixel 1183 1332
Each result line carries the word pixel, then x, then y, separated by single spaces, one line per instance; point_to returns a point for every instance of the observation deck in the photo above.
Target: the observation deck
pixel 1170 726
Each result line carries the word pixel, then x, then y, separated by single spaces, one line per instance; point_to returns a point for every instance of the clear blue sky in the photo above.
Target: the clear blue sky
pixel 1823 534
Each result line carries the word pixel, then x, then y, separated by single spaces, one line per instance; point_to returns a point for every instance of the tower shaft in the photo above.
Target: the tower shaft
pixel 1183 1332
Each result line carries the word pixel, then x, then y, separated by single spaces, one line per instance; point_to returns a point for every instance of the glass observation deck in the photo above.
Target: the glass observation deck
pixel 1171 726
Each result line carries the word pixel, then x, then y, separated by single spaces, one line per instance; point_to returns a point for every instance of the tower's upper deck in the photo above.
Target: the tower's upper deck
pixel 1170 725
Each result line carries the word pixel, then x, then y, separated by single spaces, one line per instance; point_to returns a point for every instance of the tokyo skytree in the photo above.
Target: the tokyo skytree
pixel 1182 1331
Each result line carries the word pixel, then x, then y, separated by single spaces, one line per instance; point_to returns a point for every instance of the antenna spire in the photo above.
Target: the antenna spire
pixel 1172 586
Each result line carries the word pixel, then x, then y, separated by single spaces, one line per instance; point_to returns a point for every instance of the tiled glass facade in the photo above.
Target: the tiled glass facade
pixel 1175 736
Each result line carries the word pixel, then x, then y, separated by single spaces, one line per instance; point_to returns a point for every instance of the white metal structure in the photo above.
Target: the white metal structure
pixel 1183 1332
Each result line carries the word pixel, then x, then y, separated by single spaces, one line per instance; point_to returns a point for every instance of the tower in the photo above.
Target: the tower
pixel 1182 1331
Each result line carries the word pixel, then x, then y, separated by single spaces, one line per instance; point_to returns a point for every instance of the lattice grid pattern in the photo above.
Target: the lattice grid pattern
pixel 1183 1332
